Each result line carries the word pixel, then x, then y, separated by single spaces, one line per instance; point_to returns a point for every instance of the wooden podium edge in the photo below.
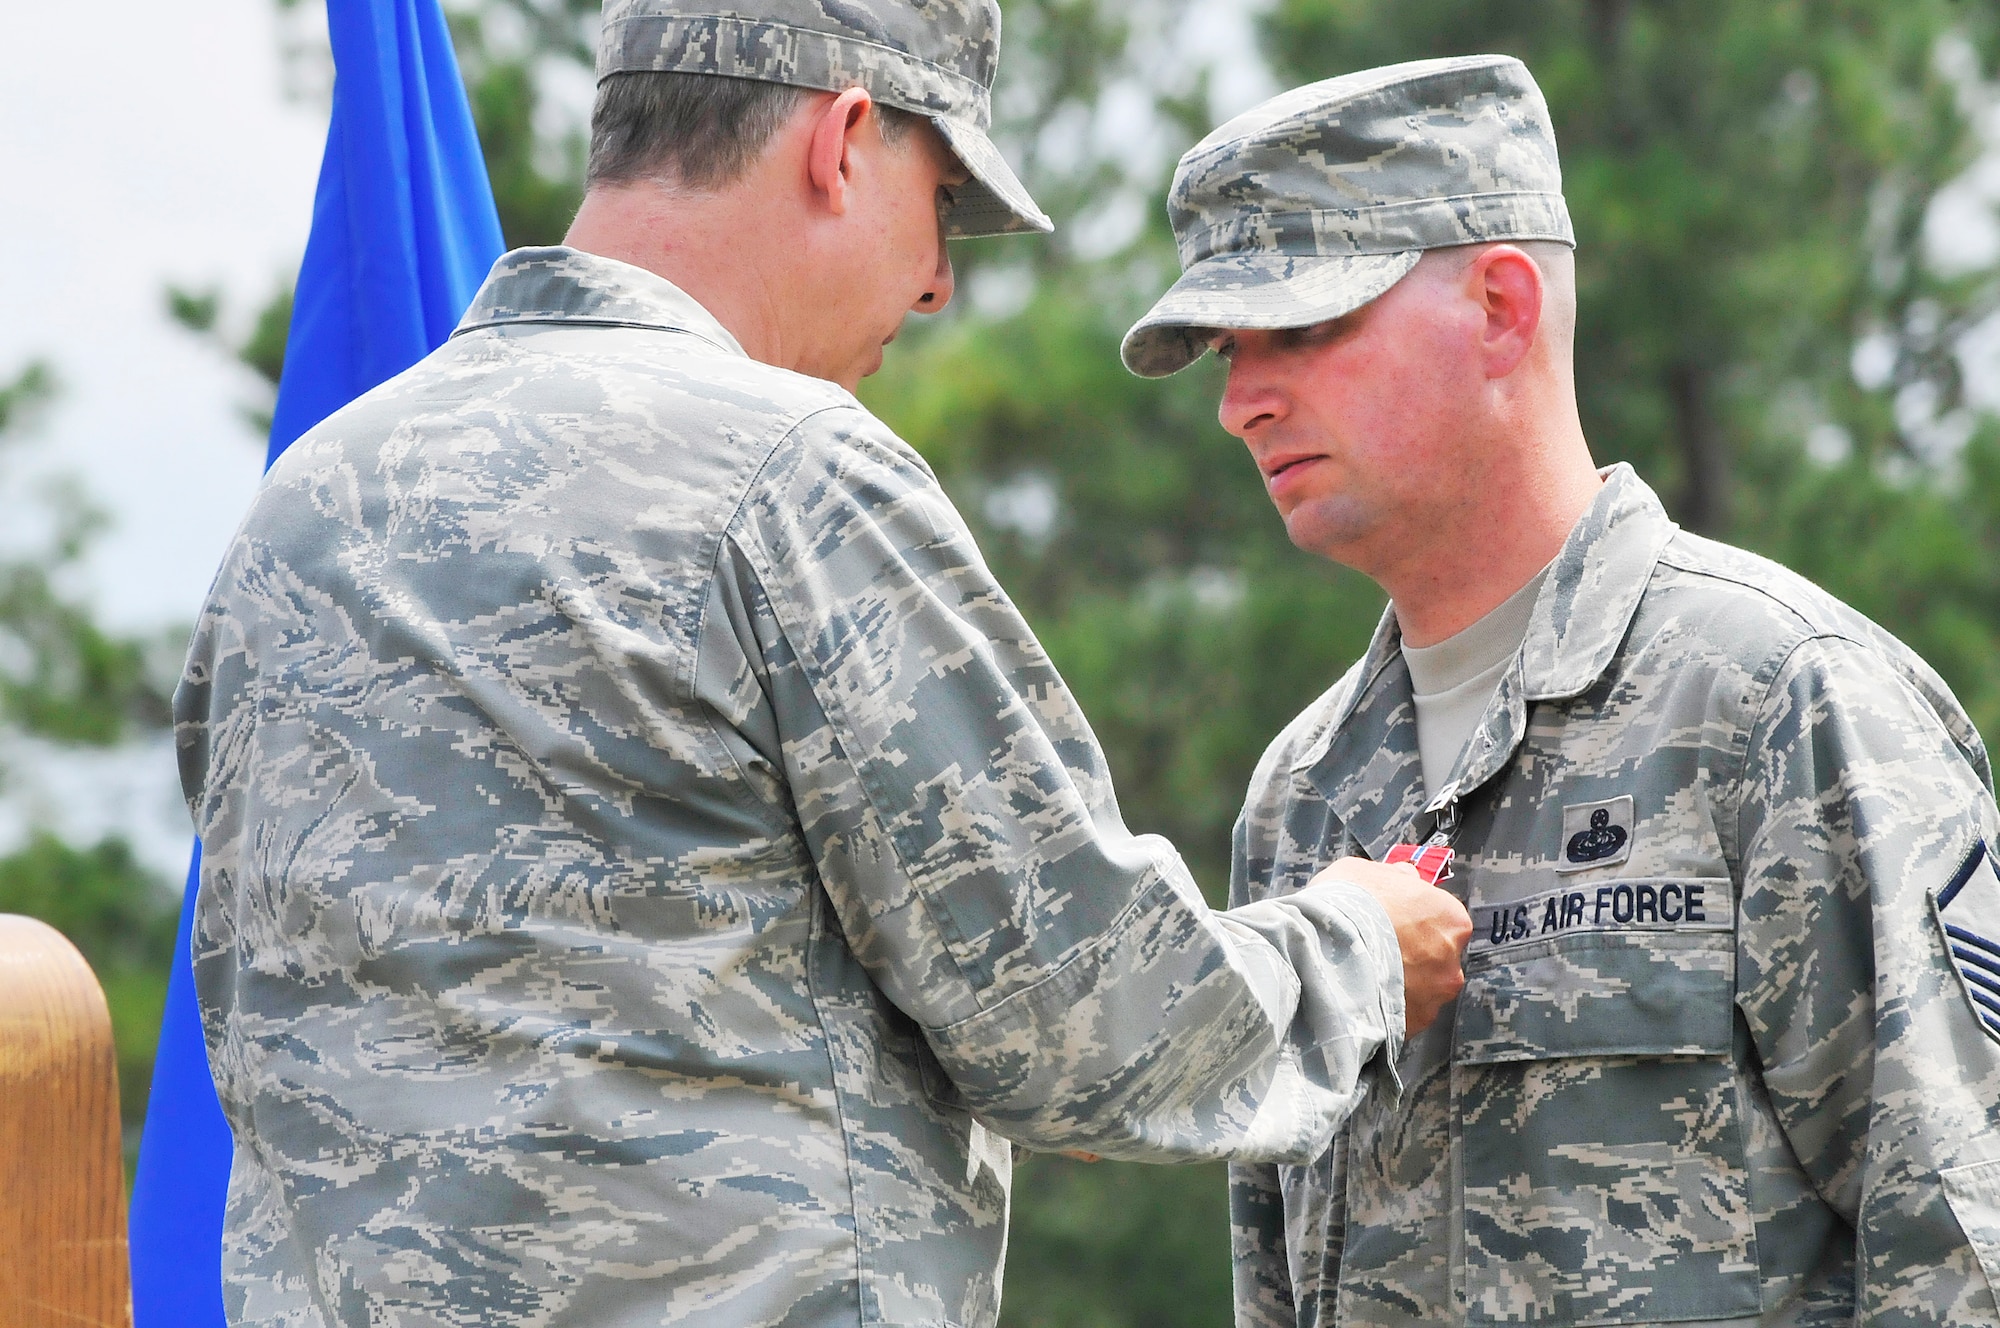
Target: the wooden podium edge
pixel 63 1257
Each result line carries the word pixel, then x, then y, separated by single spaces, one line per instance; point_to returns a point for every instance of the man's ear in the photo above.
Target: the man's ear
pixel 1508 287
pixel 828 157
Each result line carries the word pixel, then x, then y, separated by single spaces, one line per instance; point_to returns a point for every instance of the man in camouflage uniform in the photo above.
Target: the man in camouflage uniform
pixel 651 868
pixel 1729 1045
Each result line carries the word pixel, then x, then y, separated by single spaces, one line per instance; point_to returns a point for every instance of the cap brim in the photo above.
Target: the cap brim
pixel 1259 291
pixel 993 201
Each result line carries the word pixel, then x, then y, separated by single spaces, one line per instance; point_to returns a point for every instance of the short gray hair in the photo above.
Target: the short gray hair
pixel 695 131
pixel 1557 262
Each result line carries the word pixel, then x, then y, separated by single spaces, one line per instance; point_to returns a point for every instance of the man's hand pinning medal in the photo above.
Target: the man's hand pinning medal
pixel 1432 929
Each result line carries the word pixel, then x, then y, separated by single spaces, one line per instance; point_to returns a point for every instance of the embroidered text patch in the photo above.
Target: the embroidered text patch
pixel 1615 906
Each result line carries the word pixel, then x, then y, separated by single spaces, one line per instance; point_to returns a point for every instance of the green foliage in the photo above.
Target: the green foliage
pixel 261 349
pixel 30 390
pixel 194 310
pixel 1111 1246
pixel 62 677
pixel 65 677
pixel 537 180
pixel 1922 559
pixel 66 680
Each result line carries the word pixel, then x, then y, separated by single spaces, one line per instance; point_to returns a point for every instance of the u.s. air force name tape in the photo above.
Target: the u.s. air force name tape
pixel 1649 904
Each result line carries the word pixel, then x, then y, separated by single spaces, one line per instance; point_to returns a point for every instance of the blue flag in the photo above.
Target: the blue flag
pixel 403 232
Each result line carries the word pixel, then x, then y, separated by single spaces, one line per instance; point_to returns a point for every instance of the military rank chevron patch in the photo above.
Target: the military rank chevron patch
pixel 1968 912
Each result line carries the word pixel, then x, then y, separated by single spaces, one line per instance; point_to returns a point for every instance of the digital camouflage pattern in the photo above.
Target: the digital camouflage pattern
pixel 1314 203
pixel 1713 1061
pixel 651 868
pixel 935 58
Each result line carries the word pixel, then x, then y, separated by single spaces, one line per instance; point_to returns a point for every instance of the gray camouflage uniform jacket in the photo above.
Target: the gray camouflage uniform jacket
pixel 1729 1046
pixel 648 858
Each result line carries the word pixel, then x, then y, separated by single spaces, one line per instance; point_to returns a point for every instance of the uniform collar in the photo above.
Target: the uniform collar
pixel 1365 759
pixel 562 285
pixel 1594 587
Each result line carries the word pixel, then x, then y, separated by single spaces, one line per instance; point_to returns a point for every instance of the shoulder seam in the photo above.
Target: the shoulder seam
pixel 1806 624
pixel 1777 662
pixel 711 570
pixel 1808 628
pixel 843 728
pixel 725 533
pixel 1739 791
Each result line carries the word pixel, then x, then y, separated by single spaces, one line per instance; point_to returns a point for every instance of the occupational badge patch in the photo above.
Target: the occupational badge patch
pixel 1968 913
pixel 1595 834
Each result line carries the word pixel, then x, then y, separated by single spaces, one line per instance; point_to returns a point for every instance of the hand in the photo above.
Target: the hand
pixel 1432 928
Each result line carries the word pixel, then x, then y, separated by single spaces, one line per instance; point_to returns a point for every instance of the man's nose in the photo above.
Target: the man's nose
pixel 1249 401
pixel 938 294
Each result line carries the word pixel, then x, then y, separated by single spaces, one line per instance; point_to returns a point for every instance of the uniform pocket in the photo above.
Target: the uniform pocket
pixel 938 1086
pixel 1974 1195
pixel 1666 994
pixel 1602 1141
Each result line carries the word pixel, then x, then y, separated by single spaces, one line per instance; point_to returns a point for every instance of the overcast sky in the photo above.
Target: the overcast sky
pixel 172 155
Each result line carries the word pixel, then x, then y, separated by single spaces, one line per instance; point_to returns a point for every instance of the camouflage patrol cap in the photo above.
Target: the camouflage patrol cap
pixel 1311 205
pixel 934 58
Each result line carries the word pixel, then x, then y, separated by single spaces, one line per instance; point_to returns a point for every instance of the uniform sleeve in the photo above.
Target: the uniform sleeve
pixel 1260 1268
pixel 1858 814
pixel 1067 973
pixel 1261 1275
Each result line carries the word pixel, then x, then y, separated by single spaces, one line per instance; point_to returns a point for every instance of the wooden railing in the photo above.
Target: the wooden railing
pixel 62 1183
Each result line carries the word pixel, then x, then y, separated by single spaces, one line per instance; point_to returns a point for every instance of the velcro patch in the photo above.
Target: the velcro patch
pixel 1595 834
pixel 1615 906
pixel 1968 914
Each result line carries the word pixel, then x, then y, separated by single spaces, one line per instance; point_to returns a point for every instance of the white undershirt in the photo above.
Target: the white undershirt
pixel 1456 678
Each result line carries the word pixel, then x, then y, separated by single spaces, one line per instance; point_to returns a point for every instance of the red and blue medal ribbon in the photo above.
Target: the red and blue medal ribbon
pixel 1432 861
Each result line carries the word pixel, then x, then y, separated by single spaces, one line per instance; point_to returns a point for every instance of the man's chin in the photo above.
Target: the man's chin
pixel 850 374
pixel 1336 529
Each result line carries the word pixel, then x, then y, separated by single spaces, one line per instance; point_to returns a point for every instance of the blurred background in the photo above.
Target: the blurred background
pixel 1790 285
